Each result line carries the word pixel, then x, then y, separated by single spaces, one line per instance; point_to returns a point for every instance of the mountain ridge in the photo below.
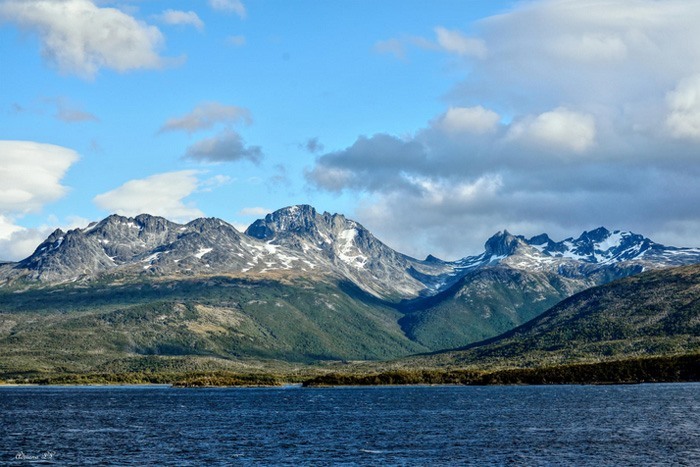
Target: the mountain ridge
pixel 654 313
pixel 302 239
pixel 298 286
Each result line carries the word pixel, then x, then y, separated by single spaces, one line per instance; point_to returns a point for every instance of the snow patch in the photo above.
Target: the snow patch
pixel 151 258
pixel 346 248
pixel 202 252
pixel 613 241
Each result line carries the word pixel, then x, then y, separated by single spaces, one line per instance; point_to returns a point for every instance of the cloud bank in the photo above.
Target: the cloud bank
pixel 570 115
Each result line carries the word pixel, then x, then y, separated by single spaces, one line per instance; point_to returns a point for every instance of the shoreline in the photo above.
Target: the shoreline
pixel 670 369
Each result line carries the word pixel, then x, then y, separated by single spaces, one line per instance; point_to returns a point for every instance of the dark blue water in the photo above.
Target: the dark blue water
pixel 535 425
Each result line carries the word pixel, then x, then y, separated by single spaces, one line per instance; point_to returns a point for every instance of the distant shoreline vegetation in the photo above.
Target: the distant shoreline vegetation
pixel 682 368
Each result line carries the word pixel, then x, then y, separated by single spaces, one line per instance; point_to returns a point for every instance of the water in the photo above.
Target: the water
pixel 535 425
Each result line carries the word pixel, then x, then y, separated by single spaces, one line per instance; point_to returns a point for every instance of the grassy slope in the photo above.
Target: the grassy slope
pixel 213 323
pixel 655 313
pixel 484 304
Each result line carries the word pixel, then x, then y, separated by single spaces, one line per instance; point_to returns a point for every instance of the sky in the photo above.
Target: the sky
pixel 435 124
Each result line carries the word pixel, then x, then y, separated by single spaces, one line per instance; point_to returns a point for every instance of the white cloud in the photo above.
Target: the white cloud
pixel 206 115
pixel 177 17
pixel 559 129
pixel 233 6
pixel 468 120
pixel 7 230
pixel 21 242
pixel 160 195
pixel 591 47
pixel 684 109
pixel 457 43
pixel 81 38
pixel 31 175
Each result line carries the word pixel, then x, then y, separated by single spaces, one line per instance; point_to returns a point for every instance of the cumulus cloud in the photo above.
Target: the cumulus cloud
pixel 573 114
pixel 377 163
pixel 684 109
pixel 78 37
pixel 181 18
pixel 468 120
pixel 231 6
pixel 161 194
pixel 557 130
pixel 227 146
pixel 206 115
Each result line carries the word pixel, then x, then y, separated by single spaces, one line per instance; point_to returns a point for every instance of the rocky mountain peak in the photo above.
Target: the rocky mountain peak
pixel 503 244
pixel 300 220
pixel 205 224
pixel 598 235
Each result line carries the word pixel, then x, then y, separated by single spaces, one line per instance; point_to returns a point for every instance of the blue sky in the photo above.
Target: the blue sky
pixel 435 124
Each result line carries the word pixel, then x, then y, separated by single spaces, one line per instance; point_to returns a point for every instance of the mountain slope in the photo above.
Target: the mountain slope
pixel 221 318
pixel 296 239
pixel 654 313
pixel 516 279
pixel 351 250
pixel 333 290
pixel 486 302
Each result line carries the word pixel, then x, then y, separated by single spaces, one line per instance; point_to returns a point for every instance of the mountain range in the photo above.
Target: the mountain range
pixel 300 240
pixel 298 285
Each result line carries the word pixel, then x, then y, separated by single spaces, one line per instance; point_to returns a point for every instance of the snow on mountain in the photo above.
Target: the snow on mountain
pixel 592 250
pixel 349 249
pixel 300 240
pixel 151 245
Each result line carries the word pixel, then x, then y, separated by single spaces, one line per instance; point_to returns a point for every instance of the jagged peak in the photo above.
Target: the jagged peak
pixel 596 235
pixel 299 218
pixel 203 223
pixel 52 240
pixel 541 239
pixel 502 243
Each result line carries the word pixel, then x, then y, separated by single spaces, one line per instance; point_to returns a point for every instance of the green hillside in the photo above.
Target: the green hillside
pixel 220 322
pixel 483 304
pixel 651 314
